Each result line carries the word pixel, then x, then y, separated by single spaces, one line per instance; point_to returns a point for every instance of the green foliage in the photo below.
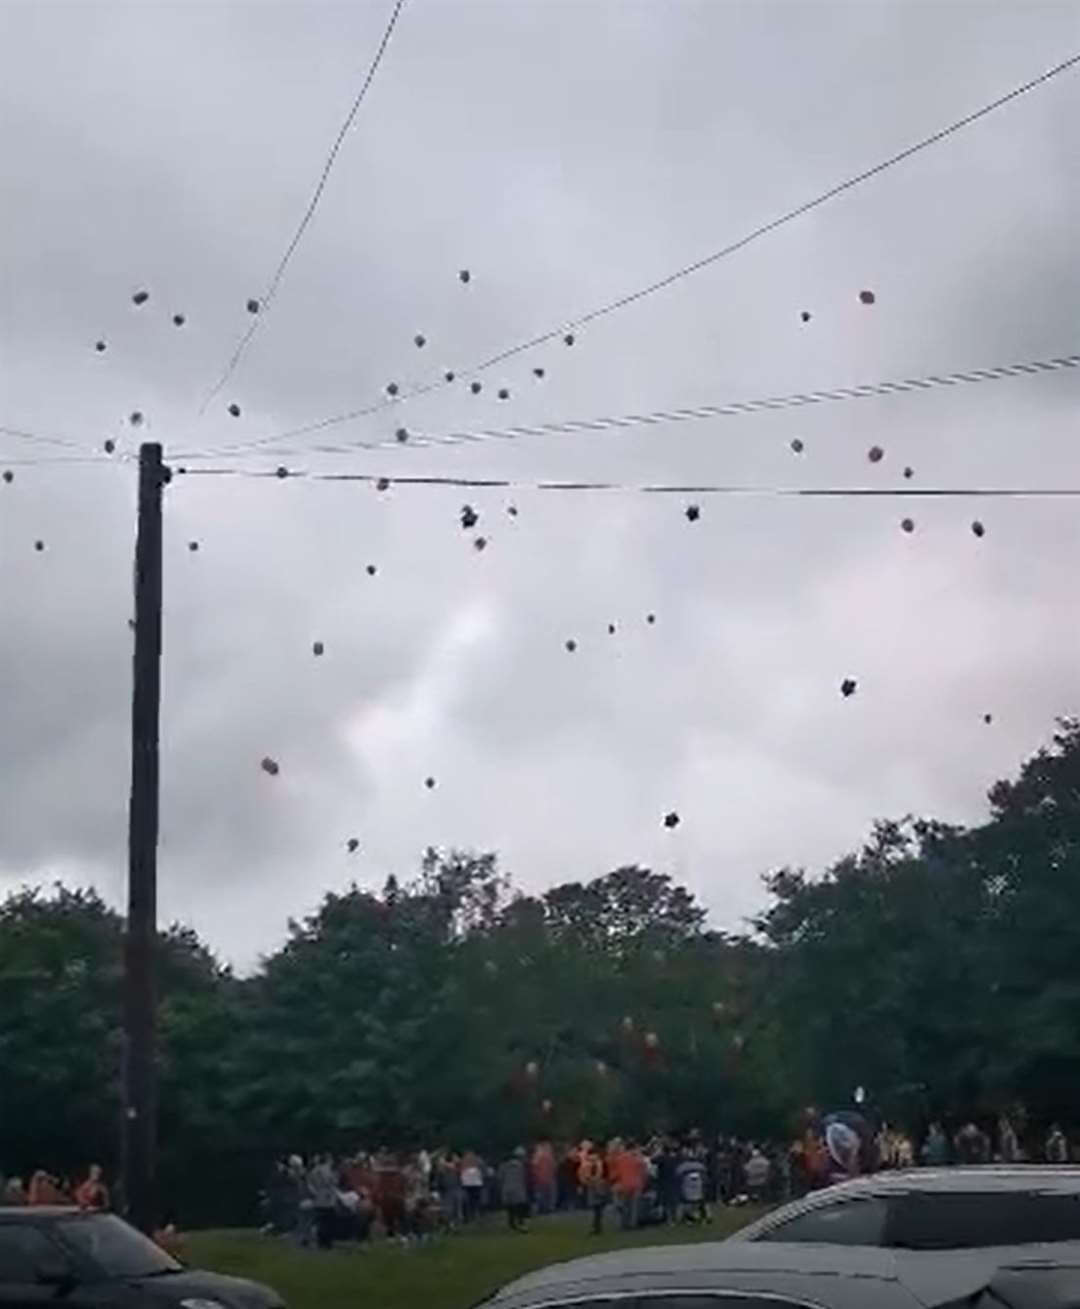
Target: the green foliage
pixel 939 967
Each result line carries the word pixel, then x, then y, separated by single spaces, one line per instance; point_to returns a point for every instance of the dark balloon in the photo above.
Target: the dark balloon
pixel 504 394
pixel 178 320
pixel 978 528
pixel 352 845
pixel 253 306
pixel 402 434
pixel 371 570
pixel 234 409
pixel 867 297
pixel 568 339
pixel 988 719
pixel 465 275
pixel 469 517
pixel 805 315
pixel 650 618
pixel 611 629
pixel 140 297
pixel 429 782
pixel 391 388
pixel 480 543
pixel 419 341
pixel 317 648
pixel 512 510
pixel 193 546
pixel 383 484
pixel 875 454
pixel 39 546
pixel 270 766
pixel 671 819
pixel 538 372
pixel 136 418
pixel 110 445
pixel 9 476
pixel 449 374
pixel 100 347
pixel 571 645
pixel 476 387
pixel 848 686
pixel 693 513
pixel 908 524
pixel 281 471
pixel 797 445
pixel 909 472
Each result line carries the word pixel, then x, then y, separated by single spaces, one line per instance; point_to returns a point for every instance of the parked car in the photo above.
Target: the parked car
pixel 716 1275
pixel 96 1261
pixel 764 1275
pixel 948 1229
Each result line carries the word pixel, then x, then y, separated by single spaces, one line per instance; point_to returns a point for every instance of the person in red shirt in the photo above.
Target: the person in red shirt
pixel 629 1172
pixel 93 1193
pixel 44 1190
pixel 544 1179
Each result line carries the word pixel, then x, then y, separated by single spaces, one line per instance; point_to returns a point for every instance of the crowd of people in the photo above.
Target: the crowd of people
pixel 44 1189
pixel 413 1197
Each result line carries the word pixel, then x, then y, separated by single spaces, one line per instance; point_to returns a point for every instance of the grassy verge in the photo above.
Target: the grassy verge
pixel 453 1273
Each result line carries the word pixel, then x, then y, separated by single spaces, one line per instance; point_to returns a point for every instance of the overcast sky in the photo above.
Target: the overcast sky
pixel 565 152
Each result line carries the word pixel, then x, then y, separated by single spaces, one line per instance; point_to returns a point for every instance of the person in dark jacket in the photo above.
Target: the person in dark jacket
pixel 514 1190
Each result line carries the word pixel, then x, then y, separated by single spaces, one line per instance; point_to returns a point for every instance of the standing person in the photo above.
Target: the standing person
pixel 544 1178
pixel 972 1146
pixel 691 1175
pixel 628 1173
pixel 472 1184
pixel 45 1190
pixel 448 1184
pixel 514 1190
pixel 593 1181
pixel 323 1186
pixel 1057 1148
pixel 14 1194
pixel 93 1194
pixel 1008 1145
pixel 758 1171
pixel 935 1149
pixel 390 1194
pixel 667 1180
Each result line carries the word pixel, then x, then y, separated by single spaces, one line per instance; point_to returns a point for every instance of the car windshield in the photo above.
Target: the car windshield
pixel 113 1248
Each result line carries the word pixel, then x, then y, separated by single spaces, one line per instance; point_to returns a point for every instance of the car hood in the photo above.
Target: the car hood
pixel 233 1292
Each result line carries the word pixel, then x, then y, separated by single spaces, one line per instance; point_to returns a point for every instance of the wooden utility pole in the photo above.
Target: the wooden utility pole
pixel 140 992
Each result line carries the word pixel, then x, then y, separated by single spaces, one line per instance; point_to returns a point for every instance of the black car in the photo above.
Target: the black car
pixel 96 1261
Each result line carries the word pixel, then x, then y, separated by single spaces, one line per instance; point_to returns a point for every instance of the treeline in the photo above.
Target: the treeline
pixel 938 967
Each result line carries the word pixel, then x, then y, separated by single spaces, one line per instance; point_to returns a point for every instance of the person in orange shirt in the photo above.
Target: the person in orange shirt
pixel 593 1180
pixel 629 1172
pixel 93 1193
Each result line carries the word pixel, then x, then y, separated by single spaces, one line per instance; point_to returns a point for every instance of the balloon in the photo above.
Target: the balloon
pixel 140 297
pixel 419 340
pixel 611 629
pixel 371 570
pixel 136 418
pixel 402 434
pixel 100 347
pixel 650 618
pixel 978 528
pixel 532 1068
pixel 253 306
pixel 909 472
pixel 193 546
pixel 671 820
pixel 476 387
pixel 908 524
pixel 571 645
pixel 392 388
pixel 848 686
pixel 178 320
pixel 270 766
pixel 281 471
pixel 504 394
pixel 234 409
pixel 469 517
pixel 875 454
pixel 110 446
pixel 693 513
pixel 867 297
pixel 317 648
pixel 538 373
pixel 429 782
pixel 383 484
pixel 805 315
pixel 9 476
pixel 464 275
pixel 480 543
pixel 797 445
pixel 352 845
pixel 568 339
pixel 39 546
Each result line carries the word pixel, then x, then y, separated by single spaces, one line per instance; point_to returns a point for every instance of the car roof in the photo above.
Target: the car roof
pixel 660 1267
pixel 37 1213
pixel 980 1179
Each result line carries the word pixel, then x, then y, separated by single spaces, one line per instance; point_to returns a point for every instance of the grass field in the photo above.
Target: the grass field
pixel 453 1273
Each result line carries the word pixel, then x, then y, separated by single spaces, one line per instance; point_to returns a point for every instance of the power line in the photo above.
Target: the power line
pixel 37 438
pixel 733 409
pixel 656 488
pixel 698 265
pixel 309 212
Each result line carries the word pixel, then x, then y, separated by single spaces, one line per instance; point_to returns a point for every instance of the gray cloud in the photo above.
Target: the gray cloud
pixel 565 154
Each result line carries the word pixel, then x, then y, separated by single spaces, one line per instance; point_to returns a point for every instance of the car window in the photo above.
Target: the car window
pixel 962 1220
pixel 23 1250
pixel 113 1248
pixel 848 1222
